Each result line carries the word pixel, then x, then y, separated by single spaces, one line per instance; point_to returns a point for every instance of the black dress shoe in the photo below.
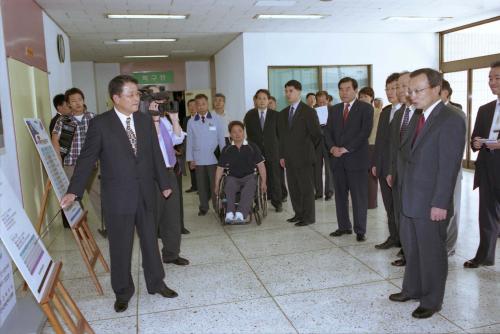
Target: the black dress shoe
pixel 423 313
pixel 386 244
pixel 180 261
pixel 399 263
pixel 185 231
pixel 303 223
pixel 319 196
pixel 278 207
pixel 328 197
pixel 360 237
pixel 202 213
pixel 166 292
pixel 294 219
pixel 338 233
pixel 120 306
pixel 399 297
pixel 471 264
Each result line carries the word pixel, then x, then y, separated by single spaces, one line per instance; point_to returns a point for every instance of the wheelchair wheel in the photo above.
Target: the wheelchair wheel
pixel 221 202
pixel 263 204
pixel 258 218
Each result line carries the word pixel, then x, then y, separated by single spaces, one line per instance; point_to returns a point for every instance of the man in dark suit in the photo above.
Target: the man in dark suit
pixel 323 156
pixel 261 124
pixel 446 92
pixel 435 146
pixel 126 144
pixel 381 158
pixel 299 134
pixel 348 128
pixel 486 140
pixel 284 191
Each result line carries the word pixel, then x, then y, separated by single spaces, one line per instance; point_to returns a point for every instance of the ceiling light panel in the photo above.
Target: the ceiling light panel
pixel 147 16
pixel 289 16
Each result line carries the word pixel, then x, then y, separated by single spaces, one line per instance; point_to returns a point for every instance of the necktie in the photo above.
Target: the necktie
pixel 290 116
pixel 203 119
pixel 404 125
pixel 346 112
pixel 131 136
pixel 169 145
pixel 262 120
pixel 420 126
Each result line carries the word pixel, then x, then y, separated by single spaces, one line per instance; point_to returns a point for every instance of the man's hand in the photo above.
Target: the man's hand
pixel 153 106
pixel 167 192
pixel 374 171
pixel 67 200
pixel 282 163
pixel 476 143
pixel 438 214
pixel 174 116
pixel 389 180
pixel 494 146
pixel 192 165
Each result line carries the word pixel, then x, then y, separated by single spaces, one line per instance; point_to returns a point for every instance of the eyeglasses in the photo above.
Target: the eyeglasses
pixel 417 91
pixel 131 95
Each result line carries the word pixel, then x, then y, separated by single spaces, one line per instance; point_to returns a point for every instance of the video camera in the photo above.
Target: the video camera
pixel 147 97
pixel 66 138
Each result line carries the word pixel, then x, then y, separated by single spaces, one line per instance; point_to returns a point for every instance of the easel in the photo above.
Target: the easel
pixel 84 239
pixel 57 299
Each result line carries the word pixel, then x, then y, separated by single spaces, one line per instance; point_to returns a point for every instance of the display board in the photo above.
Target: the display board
pixel 7 288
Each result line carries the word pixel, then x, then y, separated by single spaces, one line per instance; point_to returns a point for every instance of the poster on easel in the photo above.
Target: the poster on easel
pixel 22 242
pixel 7 287
pixel 53 167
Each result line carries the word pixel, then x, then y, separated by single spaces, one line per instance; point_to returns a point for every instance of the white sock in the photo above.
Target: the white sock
pixel 239 216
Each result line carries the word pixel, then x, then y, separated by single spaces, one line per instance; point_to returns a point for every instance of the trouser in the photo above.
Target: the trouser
pixel 181 198
pixel 93 188
pixel 389 209
pixel 205 178
pixel 274 182
pixel 168 219
pixel 301 185
pixel 121 239
pixel 372 182
pixel 452 232
pixel 489 218
pixel 284 191
pixel 353 181
pixel 192 174
pixel 322 159
pixel 246 186
pixel 424 245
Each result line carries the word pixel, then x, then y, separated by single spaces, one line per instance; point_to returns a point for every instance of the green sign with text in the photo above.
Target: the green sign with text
pixel 154 78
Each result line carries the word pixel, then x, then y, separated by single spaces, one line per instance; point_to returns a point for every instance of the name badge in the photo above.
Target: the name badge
pixel 212 128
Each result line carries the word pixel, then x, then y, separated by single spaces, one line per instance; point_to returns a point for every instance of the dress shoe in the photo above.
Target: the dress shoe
pixel 284 199
pixel 294 219
pixel 278 207
pixel 180 261
pixel 386 244
pixel 166 292
pixel 399 297
pixel 191 190
pixel 328 197
pixel 319 196
pixel 399 263
pixel 338 233
pixel 423 313
pixel 302 223
pixel 202 213
pixel 185 231
pixel 120 306
pixel 360 237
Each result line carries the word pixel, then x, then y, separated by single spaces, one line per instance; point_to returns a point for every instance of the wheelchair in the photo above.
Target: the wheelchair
pixel 259 207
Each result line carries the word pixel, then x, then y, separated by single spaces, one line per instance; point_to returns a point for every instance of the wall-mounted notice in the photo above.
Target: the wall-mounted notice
pixel 7 288
pixel 22 242
pixel 53 167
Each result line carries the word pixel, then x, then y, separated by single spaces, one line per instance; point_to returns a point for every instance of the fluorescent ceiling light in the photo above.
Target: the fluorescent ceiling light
pixel 153 56
pixel 115 43
pixel 182 51
pixel 275 3
pixel 127 40
pixel 416 18
pixel 147 16
pixel 289 16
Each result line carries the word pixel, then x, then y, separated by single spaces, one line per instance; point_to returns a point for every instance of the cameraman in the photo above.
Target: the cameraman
pixel 169 211
pixel 62 109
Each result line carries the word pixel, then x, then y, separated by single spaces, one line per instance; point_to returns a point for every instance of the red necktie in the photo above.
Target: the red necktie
pixel 346 112
pixel 420 126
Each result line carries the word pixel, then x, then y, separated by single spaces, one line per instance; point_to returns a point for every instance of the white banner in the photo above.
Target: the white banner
pixel 53 167
pixel 7 288
pixel 22 242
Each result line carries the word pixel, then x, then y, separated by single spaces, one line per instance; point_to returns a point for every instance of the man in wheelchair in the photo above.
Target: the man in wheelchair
pixel 239 160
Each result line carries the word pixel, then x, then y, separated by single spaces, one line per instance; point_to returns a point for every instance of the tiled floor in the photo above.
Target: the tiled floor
pixel 277 278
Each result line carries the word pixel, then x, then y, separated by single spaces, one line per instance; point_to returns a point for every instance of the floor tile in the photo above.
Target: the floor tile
pixel 488 329
pixel 203 250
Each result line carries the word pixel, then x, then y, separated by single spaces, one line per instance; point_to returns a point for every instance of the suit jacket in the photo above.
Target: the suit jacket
pixel 486 158
pixel 435 158
pixel 126 179
pixel 298 141
pixel 381 155
pixel 456 105
pixel 266 139
pixel 353 135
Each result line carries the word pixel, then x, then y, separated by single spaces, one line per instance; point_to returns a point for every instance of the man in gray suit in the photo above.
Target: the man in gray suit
pixel 435 147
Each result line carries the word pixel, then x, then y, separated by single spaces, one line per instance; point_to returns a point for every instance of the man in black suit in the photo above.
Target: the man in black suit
pixel 381 158
pixel 323 156
pixel 348 128
pixel 486 140
pixel 446 92
pixel 435 145
pixel 261 124
pixel 299 134
pixel 126 144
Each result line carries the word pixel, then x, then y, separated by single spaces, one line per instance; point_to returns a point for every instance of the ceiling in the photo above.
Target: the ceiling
pixel 212 24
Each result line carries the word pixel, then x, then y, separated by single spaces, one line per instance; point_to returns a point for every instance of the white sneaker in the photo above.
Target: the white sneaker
pixel 239 217
pixel 229 217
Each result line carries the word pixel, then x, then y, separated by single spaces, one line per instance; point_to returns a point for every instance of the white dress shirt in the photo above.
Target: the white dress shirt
pixel 176 140
pixel 427 112
pixel 410 115
pixel 394 108
pixel 495 125
pixel 123 119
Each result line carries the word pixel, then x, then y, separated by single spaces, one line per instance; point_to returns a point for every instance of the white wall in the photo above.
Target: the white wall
pixel 8 155
pixel 386 52
pixel 84 78
pixel 104 72
pixel 229 76
pixel 59 73
pixel 197 75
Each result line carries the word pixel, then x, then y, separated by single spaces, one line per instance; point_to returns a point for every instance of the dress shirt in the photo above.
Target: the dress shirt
pixel 412 110
pixel 427 112
pixel 123 119
pixel 176 140
pixel 203 138
pixel 265 113
pixel 495 125
pixel 394 108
